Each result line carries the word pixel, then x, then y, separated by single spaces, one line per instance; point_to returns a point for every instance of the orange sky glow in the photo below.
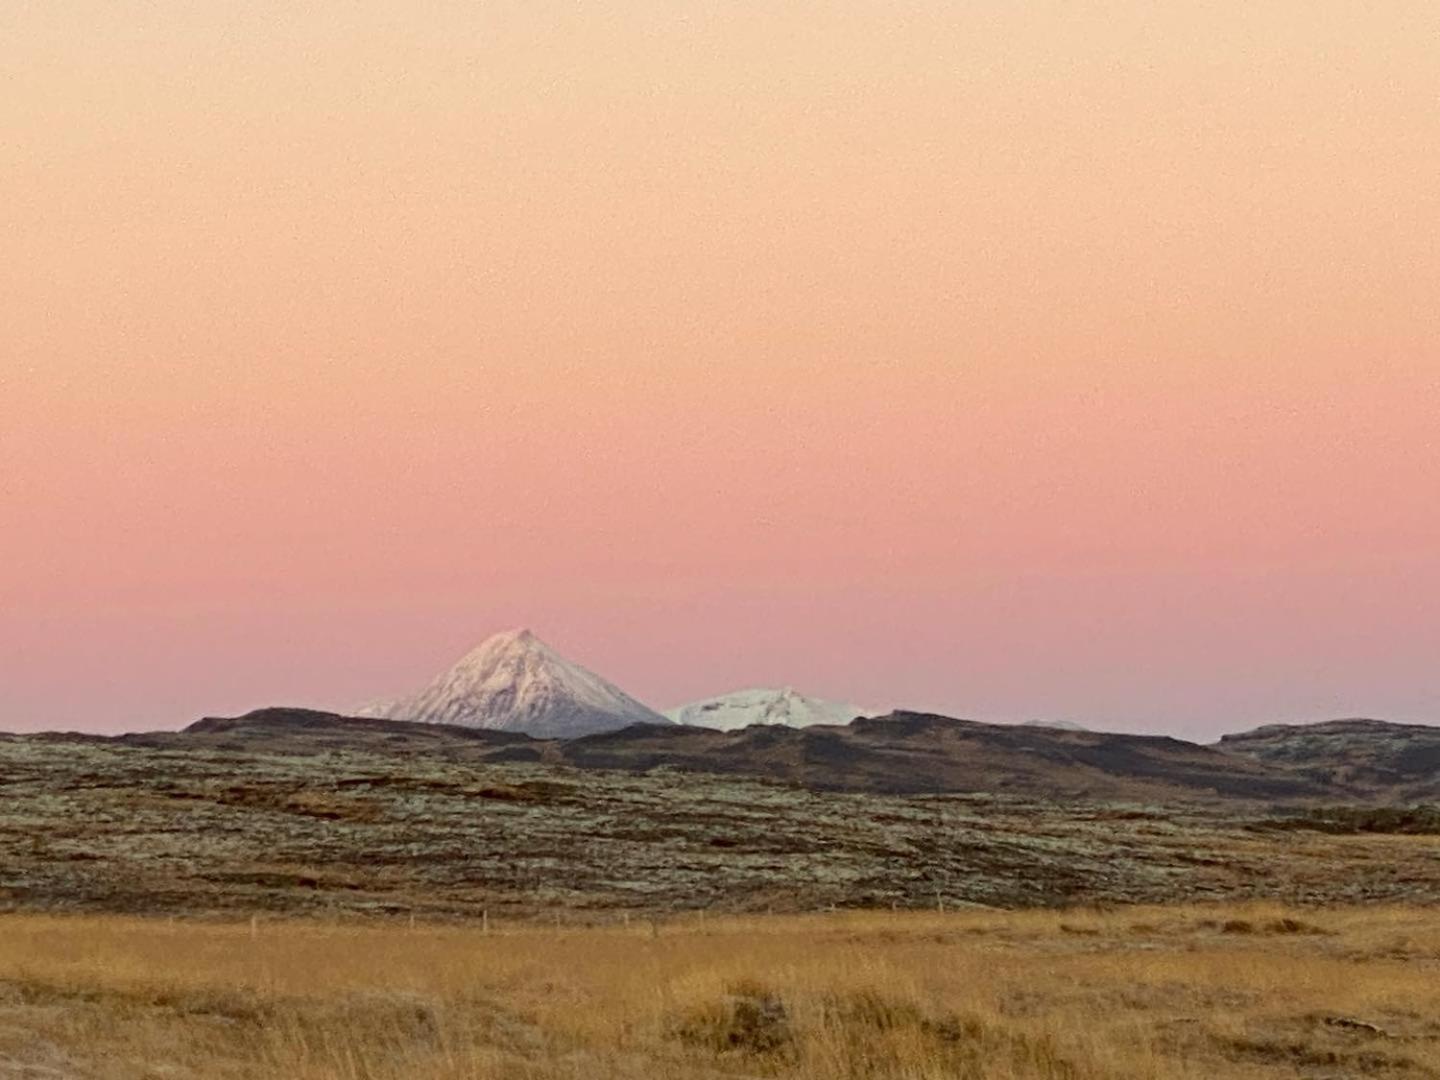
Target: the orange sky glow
pixel 1075 360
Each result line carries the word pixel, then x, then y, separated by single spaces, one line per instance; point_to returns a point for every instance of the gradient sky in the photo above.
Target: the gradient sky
pixel 1010 359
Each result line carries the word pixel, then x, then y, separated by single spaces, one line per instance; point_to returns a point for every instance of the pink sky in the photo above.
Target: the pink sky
pixel 1012 360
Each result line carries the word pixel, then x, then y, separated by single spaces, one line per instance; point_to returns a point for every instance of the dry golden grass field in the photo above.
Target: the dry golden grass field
pixel 1192 991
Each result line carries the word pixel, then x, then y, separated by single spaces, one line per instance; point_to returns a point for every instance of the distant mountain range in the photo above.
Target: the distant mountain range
pixel 516 682
pixel 514 699
pixel 904 753
pixel 552 708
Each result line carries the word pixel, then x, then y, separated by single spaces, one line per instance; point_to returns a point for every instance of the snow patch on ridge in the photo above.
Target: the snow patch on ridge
pixel 730 712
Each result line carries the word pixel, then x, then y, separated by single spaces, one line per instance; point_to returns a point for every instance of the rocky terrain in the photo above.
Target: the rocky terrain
pixel 307 813
pixel 1359 758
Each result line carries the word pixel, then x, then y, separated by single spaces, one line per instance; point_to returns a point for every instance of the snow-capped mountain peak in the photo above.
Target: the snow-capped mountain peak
pixel 784 705
pixel 513 681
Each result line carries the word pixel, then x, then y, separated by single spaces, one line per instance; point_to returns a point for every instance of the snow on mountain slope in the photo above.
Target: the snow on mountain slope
pixel 729 712
pixel 376 710
pixel 515 682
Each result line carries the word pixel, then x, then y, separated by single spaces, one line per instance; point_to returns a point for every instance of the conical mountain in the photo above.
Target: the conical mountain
pixel 515 682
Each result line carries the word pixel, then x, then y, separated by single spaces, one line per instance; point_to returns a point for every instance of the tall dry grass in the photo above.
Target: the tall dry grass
pixel 1138 993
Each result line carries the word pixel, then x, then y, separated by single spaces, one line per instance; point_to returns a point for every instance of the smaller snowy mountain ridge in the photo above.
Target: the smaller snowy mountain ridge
pixel 730 712
pixel 515 682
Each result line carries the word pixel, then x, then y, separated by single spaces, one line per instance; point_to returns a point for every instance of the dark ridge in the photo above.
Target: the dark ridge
pixel 912 753
pixel 313 721
pixel 911 723
pixel 1369 759
pixel 642 731
pixel 1347 726
pixel 902 753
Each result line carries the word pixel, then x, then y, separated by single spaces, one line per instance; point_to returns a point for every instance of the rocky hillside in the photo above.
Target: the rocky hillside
pixel 1360 758
pixel 903 753
pixel 915 753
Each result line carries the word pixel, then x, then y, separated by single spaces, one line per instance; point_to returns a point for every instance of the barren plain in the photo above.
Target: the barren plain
pixel 194 829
